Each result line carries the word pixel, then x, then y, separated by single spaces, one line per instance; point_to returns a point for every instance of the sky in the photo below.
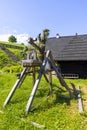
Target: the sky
pixel 28 18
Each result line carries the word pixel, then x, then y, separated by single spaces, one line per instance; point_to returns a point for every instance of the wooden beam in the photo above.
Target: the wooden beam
pixel 80 101
pixel 63 83
pixel 50 81
pixel 36 83
pixel 16 85
pixel 46 78
pixel 33 74
pixel 31 41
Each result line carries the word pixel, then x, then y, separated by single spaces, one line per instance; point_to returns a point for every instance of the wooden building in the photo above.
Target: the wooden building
pixel 71 54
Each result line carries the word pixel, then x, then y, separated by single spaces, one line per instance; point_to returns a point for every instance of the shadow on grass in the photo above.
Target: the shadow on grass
pixel 45 101
pixel 57 97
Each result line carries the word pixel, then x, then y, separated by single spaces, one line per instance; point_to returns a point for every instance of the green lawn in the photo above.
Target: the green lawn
pixel 55 112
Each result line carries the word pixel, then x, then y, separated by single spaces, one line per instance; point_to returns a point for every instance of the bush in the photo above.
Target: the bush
pixel 12 39
pixel 6 69
pixel 13 69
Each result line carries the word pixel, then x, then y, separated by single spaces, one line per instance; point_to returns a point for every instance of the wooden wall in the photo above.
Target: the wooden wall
pixel 74 67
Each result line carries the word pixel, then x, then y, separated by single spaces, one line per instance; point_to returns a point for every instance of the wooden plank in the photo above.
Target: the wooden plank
pixel 80 101
pixel 30 100
pixel 31 41
pixel 50 81
pixel 16 85
pixel 63 83
pixel 46 78
pixel 33 74
pixel 37 125
pixel 31 122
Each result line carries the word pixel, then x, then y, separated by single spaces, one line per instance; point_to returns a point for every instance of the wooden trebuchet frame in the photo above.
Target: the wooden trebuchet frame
pixel 28 64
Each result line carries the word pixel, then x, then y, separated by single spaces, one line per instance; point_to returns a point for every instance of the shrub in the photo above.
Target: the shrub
pixel 13 69
pixel 12 39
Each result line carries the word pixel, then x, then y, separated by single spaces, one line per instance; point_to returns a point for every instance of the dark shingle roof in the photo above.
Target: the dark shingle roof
pixel 68 48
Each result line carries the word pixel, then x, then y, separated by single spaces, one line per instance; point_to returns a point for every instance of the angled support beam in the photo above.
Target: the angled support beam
pixel 36 83
pixel 16 85
pixel 80 101
pixel 33 82
pixel 50 81
pixel 63 83
pixel 46 78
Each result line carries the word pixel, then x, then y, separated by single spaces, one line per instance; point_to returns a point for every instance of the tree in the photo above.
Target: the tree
pixel 42 43
pixel 44 37
pixel 12 39
pixel 22 43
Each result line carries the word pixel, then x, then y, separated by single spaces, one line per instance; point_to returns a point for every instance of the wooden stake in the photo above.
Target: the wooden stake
pixel 80 101
pixel 33 82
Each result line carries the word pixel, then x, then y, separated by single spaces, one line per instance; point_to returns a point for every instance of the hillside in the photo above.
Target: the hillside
pixel 10 53
pixel 54 112
pixel 12 45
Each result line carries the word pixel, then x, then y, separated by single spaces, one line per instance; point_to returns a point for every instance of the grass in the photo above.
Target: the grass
pixel 4 59
pixel 10 43
pixel 55 112
pixel 17 53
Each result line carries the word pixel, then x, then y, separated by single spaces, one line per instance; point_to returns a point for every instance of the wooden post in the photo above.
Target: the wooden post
pixel 36 83
pixel 17 84
pixel 46 78
pixel 63 83
pixel 79 101
pixel 50 81
pixel 33 82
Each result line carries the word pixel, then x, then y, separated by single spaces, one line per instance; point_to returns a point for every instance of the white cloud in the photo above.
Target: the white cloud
pixel 4 37
pixel 21 38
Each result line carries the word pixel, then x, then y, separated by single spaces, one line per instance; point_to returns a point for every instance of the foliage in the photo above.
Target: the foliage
pixel 42 43
pixel 17 52
pixel 22 43
pixel 44 37
pixel 12 39
pixel 25 49
pixel 55 112
pixel 13 69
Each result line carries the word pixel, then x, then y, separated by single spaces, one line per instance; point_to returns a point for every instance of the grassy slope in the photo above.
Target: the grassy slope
pixel 55 112
pixel 10 43
pixel 5 60
pixel 17 53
